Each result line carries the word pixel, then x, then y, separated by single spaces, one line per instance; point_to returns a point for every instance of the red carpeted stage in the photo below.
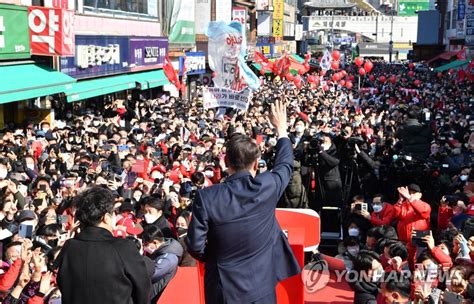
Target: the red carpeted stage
pixel 303 228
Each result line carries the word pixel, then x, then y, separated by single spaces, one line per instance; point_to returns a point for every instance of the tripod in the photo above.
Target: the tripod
pixel 352 174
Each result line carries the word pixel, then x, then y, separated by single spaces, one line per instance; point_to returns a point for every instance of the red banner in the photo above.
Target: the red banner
pixel 51 31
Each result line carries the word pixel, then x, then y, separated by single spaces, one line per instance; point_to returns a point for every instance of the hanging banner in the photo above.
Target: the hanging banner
pixel 97 56
pixel 182 23
pixel 14 36
pixel 62 4
pixel 239 14
pixel 224 10
pixel 195 63
pixel 202 15
pixel 225 98
pixel 51 31
pixel 227 52
pixel 147 52
pixel 469 36
pixel 278 13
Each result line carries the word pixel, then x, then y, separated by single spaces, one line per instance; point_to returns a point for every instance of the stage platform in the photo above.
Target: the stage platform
pixel 184 289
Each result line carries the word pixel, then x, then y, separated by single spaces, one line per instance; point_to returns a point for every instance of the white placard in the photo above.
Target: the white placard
pixel 226 98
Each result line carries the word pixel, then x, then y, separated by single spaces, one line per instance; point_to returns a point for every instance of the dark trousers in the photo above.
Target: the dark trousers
pixel 219 297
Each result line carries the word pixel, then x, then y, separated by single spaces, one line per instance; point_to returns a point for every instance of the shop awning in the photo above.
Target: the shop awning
pixel 452 65
pixel 26 81
pixel 444 56
pixel 151 79
pixel 97 87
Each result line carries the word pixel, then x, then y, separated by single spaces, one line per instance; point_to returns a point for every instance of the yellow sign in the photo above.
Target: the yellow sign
pixel 278 13
pixel 266 49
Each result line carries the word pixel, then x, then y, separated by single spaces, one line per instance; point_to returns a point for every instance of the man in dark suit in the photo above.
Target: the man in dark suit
pixel 233 227
pixel 95 267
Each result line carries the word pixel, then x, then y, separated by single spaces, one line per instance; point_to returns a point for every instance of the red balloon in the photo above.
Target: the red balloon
pixel 335 65
pixel 344 73
pixel 362 71
pixel 336 55
pixel 411 73
pixel 310 79
pixel 461 74
pixel 368 65
pixel 411 66
pixel 301 71
pixel 393 79
pixel 349 85
pixel 322 73
pixel 325 87
pixel 306 66
pixel 451 71
pixel 371 77
pixel 382 79
pixel 440 75
pixel 351 78
pixel 342 83
pixel 359 61
pixel 335 77
pixel 289 77
pixel 417 82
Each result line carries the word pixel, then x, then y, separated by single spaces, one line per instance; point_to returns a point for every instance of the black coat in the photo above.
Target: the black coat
pixel 97 268
pixel 416 138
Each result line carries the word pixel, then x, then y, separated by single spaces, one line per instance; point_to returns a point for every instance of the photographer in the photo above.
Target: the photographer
pixel 415 136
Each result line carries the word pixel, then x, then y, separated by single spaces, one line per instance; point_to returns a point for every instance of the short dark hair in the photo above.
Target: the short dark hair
pixel 92 204
pixel 399 250
pixel 397 282
pixel 425 255
pixel 198 178
pixel 241 152
pixel 154 201
pixel 49 230
pixel 363 261
pixel 152 233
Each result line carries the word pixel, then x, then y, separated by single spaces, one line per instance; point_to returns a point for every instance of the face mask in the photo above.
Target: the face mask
pixel 463 178
pixel 353 250
pixel 182 231
pixel 139 137
pixel 137 197
pixel 353 232
pixel 53 243
pixel 377 208
pixel 87 123
pixel 3 174
pixel 299 129
pixel 122 123
pixel 209 174
pixel 68 115
pixel 18 142
pixel 326 146
pixel 30 166
pixel 148 250
pixel 157 175
pixel 150 218
pixel 45 130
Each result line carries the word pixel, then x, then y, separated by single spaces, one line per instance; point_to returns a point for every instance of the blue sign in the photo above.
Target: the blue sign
pixel 195 63
pixel 97 56
pixel 461 9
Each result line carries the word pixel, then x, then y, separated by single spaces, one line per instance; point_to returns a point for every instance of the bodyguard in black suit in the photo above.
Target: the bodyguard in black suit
pixel 233 227
pixel 95 267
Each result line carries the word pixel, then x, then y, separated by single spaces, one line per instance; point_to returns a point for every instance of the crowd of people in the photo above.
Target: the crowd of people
pixel 396 158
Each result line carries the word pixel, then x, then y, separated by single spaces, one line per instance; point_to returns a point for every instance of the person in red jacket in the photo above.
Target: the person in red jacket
pixel 445 213
pixel 412 214
pixel 383 214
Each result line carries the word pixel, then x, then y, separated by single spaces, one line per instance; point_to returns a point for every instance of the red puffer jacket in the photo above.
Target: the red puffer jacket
pixel 411 215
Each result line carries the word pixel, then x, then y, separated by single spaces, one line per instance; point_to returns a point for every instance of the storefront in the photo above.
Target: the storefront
pixel 125 65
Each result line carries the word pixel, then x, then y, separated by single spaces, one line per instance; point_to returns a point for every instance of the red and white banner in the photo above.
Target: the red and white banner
pixel 64 4
pixel 239 14
pixel 51 31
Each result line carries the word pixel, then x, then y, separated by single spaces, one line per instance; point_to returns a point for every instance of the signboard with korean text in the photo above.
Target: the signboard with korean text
pixel 408 8
pixel 195 63
pixel 262 5
pixel 61 4
pixel 225 98
pixel 51 31
pixel 239 14
pixel 14 35
pixel 278 13
pixel 469 37
pixel 97 56
pixel 147 52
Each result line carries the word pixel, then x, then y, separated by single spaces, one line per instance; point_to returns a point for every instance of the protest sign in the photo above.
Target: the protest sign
pixel 222 97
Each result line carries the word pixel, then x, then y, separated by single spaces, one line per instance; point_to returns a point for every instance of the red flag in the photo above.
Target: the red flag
pixel 461 55
pixel 263 61
pixel 281 66
pixel 170 73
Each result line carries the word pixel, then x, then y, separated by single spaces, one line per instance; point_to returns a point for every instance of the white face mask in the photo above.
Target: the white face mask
pixel 156 175
pixel 354 250
pixel 326 146
pixel 209 174
pixel 3 174
pixel 463 178
pixel 150 218
pixel 299 129
pixel 377 208
pixel 30 166
pixel 122 123
pixel 353 232
pixel 139 137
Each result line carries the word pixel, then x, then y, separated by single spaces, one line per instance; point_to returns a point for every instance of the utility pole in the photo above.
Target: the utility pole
pixel 390 46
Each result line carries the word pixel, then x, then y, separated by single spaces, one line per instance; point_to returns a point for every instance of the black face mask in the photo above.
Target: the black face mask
pixel 181 231
pixel 53 243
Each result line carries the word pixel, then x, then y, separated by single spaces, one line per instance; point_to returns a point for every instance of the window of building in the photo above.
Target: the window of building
pixel 142 7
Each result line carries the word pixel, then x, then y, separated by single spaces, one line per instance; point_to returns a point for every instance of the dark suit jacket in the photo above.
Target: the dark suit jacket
pixel 234 230
pixel 97 268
